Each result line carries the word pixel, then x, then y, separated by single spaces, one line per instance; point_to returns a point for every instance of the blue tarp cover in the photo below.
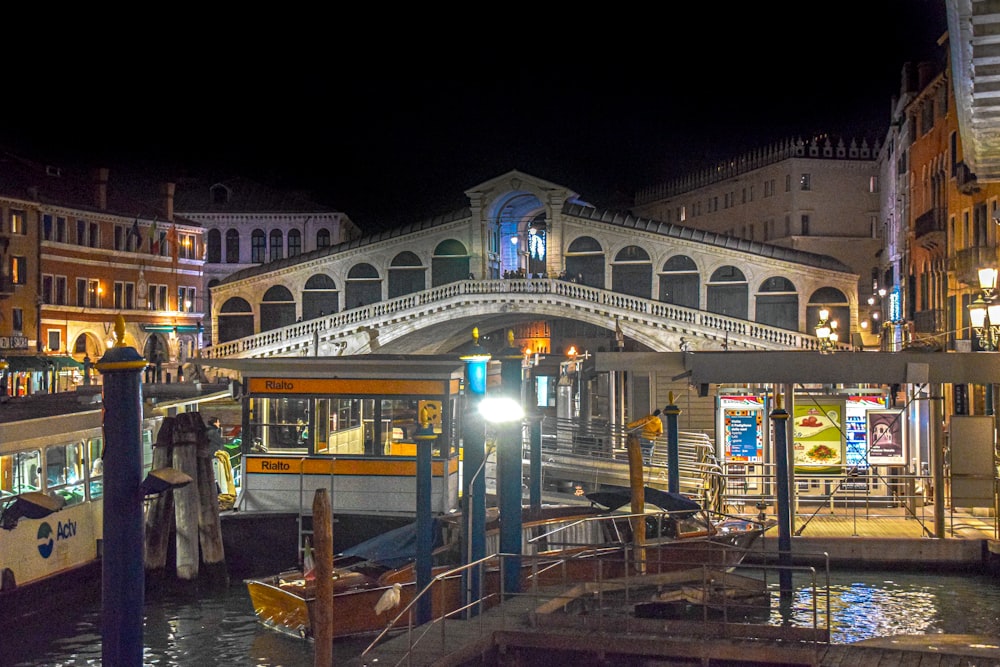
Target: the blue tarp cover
pixel 394 548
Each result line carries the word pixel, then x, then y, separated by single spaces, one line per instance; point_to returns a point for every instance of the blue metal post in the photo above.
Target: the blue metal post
pixel 535 465
pixel 425 523
pixel 123 577
pixel 673 447
pixel 473 461
pixel 780 418
pixel 509 469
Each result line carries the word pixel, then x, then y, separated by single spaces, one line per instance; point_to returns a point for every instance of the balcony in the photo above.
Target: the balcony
pixel 929 231
pixel 966 263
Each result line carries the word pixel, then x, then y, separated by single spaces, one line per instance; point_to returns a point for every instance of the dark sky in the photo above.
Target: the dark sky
pixel 395 132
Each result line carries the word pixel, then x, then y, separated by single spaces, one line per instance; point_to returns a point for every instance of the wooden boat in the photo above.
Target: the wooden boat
pixel 566 544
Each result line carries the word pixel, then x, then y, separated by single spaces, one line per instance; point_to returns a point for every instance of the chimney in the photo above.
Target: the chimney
pixel 101 188
pixel 167 190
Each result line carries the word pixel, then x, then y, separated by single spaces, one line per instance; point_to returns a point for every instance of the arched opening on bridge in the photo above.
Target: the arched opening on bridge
pixel 632 272
pixel 833 300
pixel 235 320
pixel 320 297
pixel 680 282
pixel 728 292
pixel 364 286
pixel 778 304
pixel 585 261
pixel 450 263
pixel 277 308
pixel 406 274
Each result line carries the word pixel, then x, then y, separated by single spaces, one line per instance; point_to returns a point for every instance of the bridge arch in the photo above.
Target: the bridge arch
pixel 777 303
pixel 680 282
pixel 632 272
pixel 407 274
pixel 727 292
pixel 364 286
pixel 585 261
pixel 235 319
pixel 277 308
pixel 319 296
pixel 450 262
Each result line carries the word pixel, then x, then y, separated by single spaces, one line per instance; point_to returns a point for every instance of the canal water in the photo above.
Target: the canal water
pixel 219 628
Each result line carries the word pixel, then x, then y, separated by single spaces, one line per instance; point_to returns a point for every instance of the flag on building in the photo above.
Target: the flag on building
pixel 172 242
pixel 154 240
pixel 134 232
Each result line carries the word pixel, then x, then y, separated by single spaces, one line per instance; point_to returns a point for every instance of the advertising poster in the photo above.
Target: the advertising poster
pixel 886 442
pixel 856 431
pixel 818 434
pixel 743 428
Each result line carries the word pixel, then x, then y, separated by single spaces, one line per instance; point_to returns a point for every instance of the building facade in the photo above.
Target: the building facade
pixel 819 196
pixel 78 250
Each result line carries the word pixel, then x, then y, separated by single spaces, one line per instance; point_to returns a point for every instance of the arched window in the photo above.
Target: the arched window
pixel 450 263
pixel 778 304
pixel 406 274
pixel 320 297
pixel 232 246
pixel 728 292
pixel 258 247
pixel 213 251
pixel 277 244
pixel 585 261
pixel 833 300
pixel 632 272
pixel 364 286
pixel 294 242
pixel 323 238
pixel 680 282
pixel 235 319
pixel 277 308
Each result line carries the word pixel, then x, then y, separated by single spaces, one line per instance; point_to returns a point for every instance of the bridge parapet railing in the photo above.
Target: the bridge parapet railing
pixel 299 336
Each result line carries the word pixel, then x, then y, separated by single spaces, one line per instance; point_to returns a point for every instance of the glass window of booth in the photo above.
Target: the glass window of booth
pixel 345 425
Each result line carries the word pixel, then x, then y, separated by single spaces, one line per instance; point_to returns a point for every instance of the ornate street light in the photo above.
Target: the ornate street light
pixel 826 331
pixel 984 313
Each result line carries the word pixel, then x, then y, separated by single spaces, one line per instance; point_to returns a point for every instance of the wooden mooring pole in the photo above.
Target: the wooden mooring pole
pixel 322 619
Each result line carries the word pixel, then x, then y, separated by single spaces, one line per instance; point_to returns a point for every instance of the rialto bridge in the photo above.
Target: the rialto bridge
pixel 528 255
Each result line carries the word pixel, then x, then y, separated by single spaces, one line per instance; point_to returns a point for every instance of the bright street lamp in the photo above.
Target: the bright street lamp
pixel 826 331
pixel 984 313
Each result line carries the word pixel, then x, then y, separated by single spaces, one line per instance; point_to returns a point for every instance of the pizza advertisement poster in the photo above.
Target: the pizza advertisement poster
pixel 818 434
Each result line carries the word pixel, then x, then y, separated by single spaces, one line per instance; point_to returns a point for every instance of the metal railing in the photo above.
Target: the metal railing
pixel 615 584
pixel 594 452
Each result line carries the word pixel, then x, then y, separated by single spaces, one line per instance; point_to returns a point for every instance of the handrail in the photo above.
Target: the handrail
pixel 657 315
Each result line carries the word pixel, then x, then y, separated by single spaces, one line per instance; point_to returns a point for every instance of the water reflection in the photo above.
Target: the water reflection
pixel 881 604
pixel 219 628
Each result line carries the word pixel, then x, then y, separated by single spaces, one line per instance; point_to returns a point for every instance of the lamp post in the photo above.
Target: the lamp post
pixel 984 313
pixel 826 331
pixel 506 414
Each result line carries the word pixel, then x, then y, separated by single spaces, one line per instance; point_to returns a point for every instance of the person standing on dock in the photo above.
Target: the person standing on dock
pixel 652 428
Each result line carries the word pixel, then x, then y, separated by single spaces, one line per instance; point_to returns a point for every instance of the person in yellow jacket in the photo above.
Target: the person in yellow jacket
pixel 652 428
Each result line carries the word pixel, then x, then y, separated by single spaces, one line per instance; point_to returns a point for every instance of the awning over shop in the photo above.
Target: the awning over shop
pixel 17 363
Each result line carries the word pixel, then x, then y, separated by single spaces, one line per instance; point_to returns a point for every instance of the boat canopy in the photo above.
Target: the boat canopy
pixel 617 497
pixel 394 548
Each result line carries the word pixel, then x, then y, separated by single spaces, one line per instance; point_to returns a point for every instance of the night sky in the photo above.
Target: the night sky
pixel 394 132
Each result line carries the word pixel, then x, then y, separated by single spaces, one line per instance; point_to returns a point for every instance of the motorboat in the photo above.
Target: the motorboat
pixel 561 544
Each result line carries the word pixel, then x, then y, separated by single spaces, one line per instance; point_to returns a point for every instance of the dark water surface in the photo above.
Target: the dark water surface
pixel 219 628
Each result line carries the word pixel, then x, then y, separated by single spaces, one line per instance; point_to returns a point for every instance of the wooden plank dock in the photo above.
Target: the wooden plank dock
pixel 512 634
